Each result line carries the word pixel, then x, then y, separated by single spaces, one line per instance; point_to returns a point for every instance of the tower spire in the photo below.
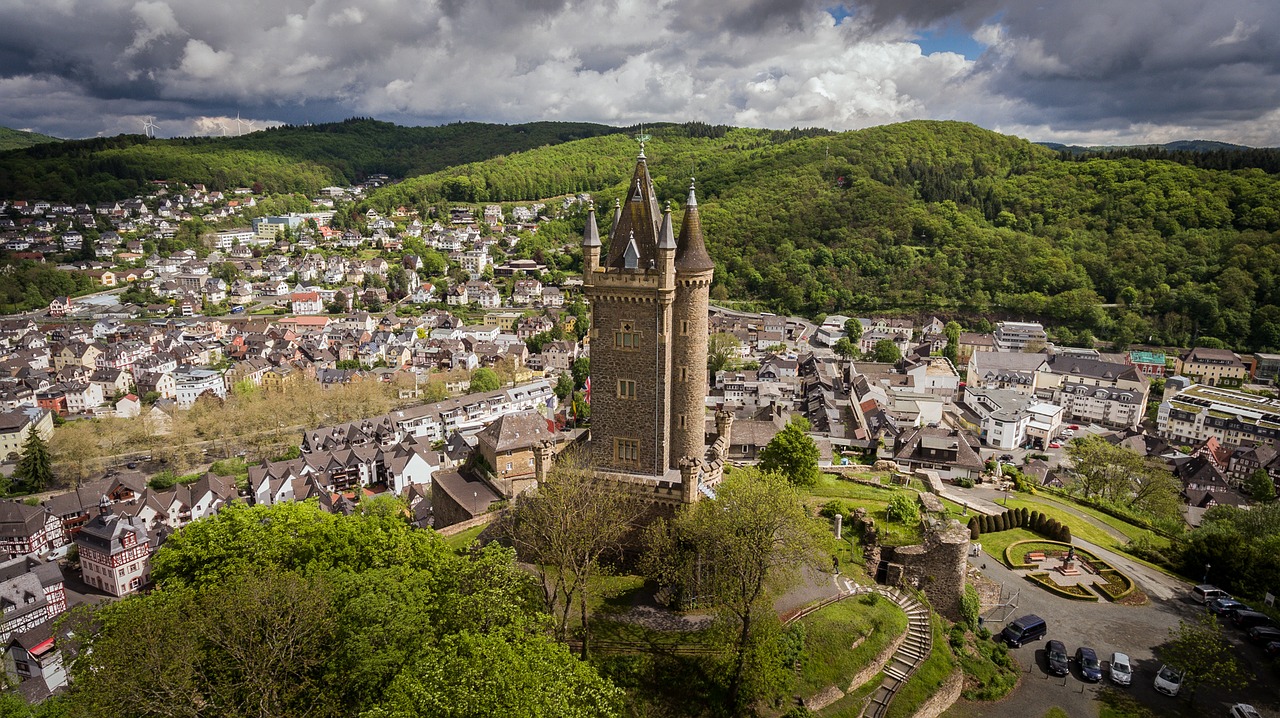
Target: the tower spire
pixel 691 250
pixel 591 234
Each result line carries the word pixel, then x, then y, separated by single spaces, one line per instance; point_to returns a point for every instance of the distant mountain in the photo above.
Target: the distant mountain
pixel 1175 146
pixel 281 159
pixel 19 139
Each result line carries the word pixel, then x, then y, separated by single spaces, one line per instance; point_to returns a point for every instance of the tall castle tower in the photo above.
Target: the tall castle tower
pixel 649 301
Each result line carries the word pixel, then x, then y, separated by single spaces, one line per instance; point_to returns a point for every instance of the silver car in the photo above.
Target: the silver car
pixel 1120 670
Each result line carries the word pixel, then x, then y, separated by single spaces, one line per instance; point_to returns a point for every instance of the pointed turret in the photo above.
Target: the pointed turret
pixel 591 235
pixel 666 235
pixel 691 251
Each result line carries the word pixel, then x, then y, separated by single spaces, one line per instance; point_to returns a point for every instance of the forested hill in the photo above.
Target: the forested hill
pixel 940 216
pixel 18 139
pixel 282 159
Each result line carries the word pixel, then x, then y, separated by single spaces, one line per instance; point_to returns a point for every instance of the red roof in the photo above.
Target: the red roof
pixel 306 296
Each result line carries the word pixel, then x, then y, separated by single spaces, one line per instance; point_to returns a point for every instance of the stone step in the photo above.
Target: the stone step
pixel 913 654
pixel 895 673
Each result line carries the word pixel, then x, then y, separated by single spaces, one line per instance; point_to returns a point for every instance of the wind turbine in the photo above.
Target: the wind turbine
pixel 250 124
pixel 149 127
pixel 239 125
pixel 222 126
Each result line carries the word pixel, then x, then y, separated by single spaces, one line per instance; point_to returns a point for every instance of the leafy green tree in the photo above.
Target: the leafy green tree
pixel 1260 486
pixel 852 329
pixel 485 379
pixel 1204 655
pixel 581 369
pixel 886 352
pixel 35 468
pixel 739 551
pixel 564 387
pixel 845 348
pixel 793 453
pixel 721 348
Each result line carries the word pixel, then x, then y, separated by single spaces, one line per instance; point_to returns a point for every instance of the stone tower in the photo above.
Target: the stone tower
pixel 649 300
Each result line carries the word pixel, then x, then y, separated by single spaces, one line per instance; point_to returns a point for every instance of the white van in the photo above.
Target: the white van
pixel 1205 593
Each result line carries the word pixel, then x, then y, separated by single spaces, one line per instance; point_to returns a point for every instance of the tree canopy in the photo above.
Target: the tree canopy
pixel 793 453
pixel 288 610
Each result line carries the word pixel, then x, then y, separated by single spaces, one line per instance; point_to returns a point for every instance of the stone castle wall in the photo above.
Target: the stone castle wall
pixel 936 567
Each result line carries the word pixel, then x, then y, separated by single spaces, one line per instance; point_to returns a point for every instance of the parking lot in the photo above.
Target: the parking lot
pixel 1108 627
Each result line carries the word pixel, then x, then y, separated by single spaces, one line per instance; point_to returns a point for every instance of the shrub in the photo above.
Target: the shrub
pixel 1015 518
pixel 902 508
pixel 1037 521
pixel 1025 515
pixel 832 508
pixel 974 530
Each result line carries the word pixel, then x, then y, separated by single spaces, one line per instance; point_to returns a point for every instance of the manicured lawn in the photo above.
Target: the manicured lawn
pixel 1128 529
pixel 459 542
pixel 832 631
pixel 927 678
pixel 1080 528
pixel 994 544
pixel 829 486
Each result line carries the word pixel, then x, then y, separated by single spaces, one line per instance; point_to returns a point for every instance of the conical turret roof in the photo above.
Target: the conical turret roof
pixel 691 251
pixel 638 216
pixel 591 234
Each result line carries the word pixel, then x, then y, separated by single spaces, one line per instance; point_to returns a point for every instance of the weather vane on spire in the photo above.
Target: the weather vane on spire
pixel 642 138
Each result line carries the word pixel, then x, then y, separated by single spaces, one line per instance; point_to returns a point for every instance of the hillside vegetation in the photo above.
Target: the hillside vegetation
pixel 18 139
pixel 940 216
pixel 280 159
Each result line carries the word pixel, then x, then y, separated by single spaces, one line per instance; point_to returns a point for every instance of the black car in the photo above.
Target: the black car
pixel 1056 656
pixel 1006 458
pixel 1273 648
pixel 1264 634
pixel 1226 606
pixel 1090 666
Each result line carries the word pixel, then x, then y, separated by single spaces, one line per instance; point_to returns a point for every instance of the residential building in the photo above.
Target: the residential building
pixel 190 384
pixel 943 450
pixel 29 530
pixel 16 426
pixel 1095 391
pixel 1005 370
pixel 32 593
pixel 508 446
pixel 1193 413
pixel 115 552
pixel 1213 367
pixel 1011 419
pixel 1017 336
pixel 1267 368
pixel 1149 363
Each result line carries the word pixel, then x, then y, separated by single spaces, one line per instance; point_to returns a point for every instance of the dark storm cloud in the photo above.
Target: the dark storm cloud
pixel 1119 71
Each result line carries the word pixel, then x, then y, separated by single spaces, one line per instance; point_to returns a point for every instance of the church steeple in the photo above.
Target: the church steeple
pixel 691 251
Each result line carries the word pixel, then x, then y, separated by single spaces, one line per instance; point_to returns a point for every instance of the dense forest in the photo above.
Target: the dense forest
pixel 930 216
pixel 281 159
pixel 18 139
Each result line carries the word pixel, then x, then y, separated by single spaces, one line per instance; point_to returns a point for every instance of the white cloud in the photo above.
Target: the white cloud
pixel 156 20
pixel 200 60
pixel 1241 32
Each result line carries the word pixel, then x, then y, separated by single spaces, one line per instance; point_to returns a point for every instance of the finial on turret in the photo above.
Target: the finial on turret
pixel 693 199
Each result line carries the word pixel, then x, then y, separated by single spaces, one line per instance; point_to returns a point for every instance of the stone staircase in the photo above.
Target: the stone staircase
pixel 913 651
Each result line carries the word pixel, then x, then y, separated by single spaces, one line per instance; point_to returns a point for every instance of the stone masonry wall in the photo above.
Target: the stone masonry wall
pixel 936 567
pixel 689 353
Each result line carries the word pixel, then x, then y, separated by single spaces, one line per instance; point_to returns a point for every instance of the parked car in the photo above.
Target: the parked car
pixel 1055 655
pixel 1024 630
pixel 1244 620
pixel 1205 593
pixel 1006 458
pixel 1055 445
pixel 1264 634
pixel 1074 427
pixel 1090 667
pixel 1244 710
pixel 238 309
pixel 1273 649
pixel 1121 671
pixel 1168 680
pixel 1225 606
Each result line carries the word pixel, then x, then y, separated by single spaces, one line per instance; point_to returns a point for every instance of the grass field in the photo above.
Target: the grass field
pixel 830 632
pixel 459 542
pixel 995 544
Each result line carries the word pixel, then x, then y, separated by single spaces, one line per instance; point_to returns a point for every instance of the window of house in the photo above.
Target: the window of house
pixel 508 466
pixel 626 389
pixel 626 450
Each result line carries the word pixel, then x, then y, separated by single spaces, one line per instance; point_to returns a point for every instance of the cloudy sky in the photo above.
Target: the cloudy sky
pixel 1076 71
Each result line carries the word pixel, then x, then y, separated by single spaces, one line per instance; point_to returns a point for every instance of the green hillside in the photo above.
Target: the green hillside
pixel 941 216
pixel 18 139
pixel 282 159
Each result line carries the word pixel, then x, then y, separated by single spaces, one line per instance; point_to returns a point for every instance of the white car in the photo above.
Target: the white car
pixel 1244 710
pixel 1120 670
pixel 1169 680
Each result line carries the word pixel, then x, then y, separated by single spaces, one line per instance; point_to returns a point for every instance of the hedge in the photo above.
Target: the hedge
pixel 1019 518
